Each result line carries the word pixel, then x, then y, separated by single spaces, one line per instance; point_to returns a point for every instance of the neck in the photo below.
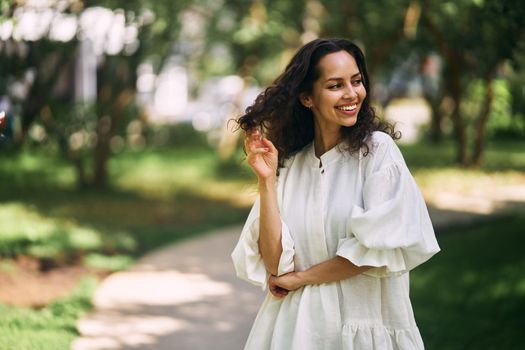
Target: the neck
pixel 325 140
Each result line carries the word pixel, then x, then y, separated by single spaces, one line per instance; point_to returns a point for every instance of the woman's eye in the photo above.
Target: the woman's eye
pixel 357 82
pixel 335 86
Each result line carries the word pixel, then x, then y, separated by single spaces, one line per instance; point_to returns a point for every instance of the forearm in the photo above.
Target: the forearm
pixel 269 226
pixel 332 270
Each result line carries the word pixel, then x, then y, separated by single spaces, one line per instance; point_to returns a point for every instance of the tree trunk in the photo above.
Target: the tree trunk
pixel 436 122
pixel 102 152
pixel 436 117
pixel 106 129
pixel 105 125
pixel 460 134
pixel 481 123
pixel 42 88
pixel 454 68
pixel 76 159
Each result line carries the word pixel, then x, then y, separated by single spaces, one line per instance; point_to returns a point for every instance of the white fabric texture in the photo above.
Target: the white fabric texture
pixel 366 209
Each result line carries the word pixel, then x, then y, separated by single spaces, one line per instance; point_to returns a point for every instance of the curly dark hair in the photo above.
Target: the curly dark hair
pixel 290 125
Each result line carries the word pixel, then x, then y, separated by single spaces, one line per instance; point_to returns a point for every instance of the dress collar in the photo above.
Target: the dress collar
pixel 330 156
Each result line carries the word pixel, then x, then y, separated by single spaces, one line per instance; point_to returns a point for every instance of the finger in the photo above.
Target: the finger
pixel 257 150
pixel 250 145
pixel 274 290
pixel 269 144
pixel 282 291
pixel 254 134
pixel 277 293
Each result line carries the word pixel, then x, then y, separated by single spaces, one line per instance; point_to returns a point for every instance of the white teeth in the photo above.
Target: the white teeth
pixel 347 108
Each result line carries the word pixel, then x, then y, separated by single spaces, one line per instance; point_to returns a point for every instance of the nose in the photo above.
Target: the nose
pixel 349 92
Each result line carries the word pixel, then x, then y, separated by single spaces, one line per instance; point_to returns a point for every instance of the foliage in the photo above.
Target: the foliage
pixel 259 37
pixel 37 73
pixel 471 38
pixel 516 77
pixel 471 295
pixel 501 120
pixel 50 328
pixel 255 36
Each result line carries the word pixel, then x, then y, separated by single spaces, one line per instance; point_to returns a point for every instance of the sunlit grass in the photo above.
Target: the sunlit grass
pixel 435 172
pixel 24 230
pixel 499 156
pixel 161 174
pixel 50 328
pixel 32 169
pixel 465 181
pixel 155 197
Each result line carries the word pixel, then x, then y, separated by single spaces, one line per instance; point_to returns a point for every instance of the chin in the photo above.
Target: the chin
pixel 350 123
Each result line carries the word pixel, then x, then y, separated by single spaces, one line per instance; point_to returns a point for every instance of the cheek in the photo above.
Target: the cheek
pixel 362 92
pixel 325 99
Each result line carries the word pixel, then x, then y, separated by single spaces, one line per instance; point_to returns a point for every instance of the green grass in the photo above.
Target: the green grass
pixel 499 156
pixel 156 197
pixel 434 169
pixel 472 294
pixel 52 327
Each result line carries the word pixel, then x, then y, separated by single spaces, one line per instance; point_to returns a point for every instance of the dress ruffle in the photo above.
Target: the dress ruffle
pixel 374 337
pixel 387 233
pixel 386 262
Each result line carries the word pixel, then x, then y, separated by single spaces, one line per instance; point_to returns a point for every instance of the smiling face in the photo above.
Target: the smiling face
pixel 337 95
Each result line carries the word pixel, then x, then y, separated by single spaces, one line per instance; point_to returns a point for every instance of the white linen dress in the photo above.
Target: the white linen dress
pixel 366 209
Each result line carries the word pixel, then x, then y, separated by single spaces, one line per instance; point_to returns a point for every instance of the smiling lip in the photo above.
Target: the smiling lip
pixel 347 108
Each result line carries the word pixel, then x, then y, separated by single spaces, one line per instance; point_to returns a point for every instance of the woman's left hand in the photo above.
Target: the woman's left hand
pixel 280 285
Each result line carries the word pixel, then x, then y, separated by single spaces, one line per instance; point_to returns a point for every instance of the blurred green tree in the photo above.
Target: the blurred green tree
pixel 36 73
pixel 474 38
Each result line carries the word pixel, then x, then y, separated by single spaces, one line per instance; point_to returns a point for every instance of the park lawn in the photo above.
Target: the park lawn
pixel 156 197
pixel 471 295
pixel 50 328
pixel 433 168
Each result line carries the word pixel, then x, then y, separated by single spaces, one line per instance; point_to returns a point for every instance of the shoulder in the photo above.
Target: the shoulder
pixel 380 140
pixel 382 151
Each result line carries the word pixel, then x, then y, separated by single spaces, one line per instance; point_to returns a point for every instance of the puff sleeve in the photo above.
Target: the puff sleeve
pixel 392 230
pixel 246 257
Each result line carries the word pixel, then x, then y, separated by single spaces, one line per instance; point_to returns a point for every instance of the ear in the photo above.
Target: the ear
pixel 306 100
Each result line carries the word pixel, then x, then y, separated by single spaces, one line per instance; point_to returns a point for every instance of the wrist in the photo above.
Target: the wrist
pixel 303 278
pixel 266 184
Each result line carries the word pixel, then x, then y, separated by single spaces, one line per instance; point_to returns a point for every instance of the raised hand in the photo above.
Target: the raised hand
pixel 261 155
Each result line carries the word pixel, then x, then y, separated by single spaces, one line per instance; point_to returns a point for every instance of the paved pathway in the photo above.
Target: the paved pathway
pixel 186 296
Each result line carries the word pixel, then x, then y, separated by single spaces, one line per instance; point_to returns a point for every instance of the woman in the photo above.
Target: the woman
pixel 339 220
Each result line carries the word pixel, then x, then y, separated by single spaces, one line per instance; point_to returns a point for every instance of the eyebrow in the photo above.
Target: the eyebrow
pixel 338 78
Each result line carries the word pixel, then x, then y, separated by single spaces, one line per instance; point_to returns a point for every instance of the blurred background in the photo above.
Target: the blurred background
pixel 116 139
